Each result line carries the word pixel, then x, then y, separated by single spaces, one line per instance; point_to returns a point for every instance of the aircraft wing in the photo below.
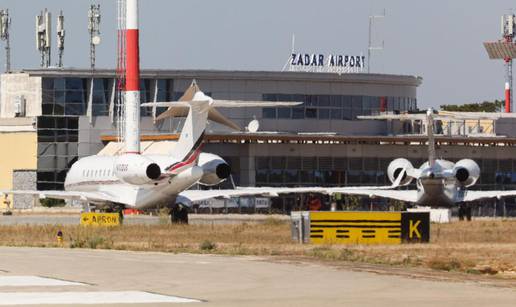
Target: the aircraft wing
pixel 84 196
pixel 200 195
pixel 191 196
pixel 226 104
pixel 404 195
pixel 478 195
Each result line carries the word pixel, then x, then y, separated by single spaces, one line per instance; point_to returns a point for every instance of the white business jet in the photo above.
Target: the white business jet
pixel 144 181
pixel 439 182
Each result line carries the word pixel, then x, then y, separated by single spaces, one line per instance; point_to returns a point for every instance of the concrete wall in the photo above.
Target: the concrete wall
pixel 24 180
pixel 20 84
pixel 18 150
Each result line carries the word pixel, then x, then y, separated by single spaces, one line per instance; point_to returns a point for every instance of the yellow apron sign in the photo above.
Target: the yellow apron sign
pixel 369 227
pixel 100 219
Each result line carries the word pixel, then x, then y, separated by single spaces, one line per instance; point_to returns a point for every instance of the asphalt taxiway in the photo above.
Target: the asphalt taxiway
pixel 51 277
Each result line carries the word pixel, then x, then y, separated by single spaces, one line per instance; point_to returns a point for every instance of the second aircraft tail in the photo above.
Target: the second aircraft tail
pixel 198 109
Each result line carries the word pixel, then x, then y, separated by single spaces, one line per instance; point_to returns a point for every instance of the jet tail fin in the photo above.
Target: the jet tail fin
pixel 431 137
pixel 189 145
pixel 198 108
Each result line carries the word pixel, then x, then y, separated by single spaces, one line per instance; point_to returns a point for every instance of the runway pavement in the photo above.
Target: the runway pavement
pixel 114 278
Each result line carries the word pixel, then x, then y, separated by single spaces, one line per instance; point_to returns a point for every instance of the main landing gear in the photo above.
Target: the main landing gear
pixel 464 212
pixel 116 209
pixel 179 214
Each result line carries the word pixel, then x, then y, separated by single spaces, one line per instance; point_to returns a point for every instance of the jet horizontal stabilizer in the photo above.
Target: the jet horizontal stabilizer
pixel 226 104
pixel 194 95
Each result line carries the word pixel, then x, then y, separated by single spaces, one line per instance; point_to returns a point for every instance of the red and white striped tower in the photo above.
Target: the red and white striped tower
pixel 132 80
pixel 508 78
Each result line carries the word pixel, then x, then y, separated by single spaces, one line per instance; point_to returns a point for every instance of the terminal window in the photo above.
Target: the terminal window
pixel 334 107
pixel 69 96
pixel 57 150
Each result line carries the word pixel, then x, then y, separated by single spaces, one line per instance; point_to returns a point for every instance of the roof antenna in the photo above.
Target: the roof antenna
pixel 370 46
pixel 292 51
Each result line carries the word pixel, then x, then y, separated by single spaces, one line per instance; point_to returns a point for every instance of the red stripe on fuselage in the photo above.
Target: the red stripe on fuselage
pixel 190 160
pixel 132 73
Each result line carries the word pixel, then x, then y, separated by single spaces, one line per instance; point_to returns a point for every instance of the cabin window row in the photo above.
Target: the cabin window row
pixel 97 173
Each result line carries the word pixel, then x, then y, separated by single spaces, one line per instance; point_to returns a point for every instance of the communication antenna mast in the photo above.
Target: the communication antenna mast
pixel 5 23
pixel 370 46
pixel 60 38
pixel 43 36
pixel 94 30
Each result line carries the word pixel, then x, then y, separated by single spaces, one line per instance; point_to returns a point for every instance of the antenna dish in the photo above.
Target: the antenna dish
pixel 96 40
pixel 253 126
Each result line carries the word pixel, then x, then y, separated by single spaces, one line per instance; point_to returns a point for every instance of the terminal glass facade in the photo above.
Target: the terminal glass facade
pixel 70 96
pixel 335 107
pixel 341 171
pixel 57 150
pixel 321 171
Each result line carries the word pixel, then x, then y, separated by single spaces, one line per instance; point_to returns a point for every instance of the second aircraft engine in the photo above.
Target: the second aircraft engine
pixel 466 172
pixel 215 169
pixel 398 168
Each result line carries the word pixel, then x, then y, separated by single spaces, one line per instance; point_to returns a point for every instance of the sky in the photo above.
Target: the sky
pixel 439 40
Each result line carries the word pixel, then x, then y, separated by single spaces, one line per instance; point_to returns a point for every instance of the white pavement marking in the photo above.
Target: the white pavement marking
pixel 29 281
pixel 87 298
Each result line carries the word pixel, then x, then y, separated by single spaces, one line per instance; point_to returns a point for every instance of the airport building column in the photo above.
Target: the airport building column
pixel 248 167
pixel 247 171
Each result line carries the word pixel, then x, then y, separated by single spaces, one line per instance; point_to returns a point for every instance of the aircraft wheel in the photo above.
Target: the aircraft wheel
pixel 120 212
pixel 462 212
pixel 468 213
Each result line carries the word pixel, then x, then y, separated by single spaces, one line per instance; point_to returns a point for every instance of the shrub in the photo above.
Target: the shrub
pixel 49 202
pixel 207 245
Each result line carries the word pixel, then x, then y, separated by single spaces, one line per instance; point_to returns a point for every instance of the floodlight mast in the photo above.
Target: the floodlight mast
pixel 505 49
pixel 508 35
pixel 5 23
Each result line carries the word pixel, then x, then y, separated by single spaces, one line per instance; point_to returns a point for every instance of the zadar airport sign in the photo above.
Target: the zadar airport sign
pixel 326 63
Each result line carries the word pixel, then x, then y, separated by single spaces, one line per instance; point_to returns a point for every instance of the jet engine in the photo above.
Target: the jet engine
pixel 136 169
pixel 396 168
pixel 215 169
pixel 466 172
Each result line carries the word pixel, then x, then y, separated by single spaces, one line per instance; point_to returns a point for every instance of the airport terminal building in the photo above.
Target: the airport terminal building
pixel 50 118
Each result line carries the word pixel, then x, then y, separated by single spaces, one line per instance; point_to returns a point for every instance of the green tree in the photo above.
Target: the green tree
pixel 486 106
